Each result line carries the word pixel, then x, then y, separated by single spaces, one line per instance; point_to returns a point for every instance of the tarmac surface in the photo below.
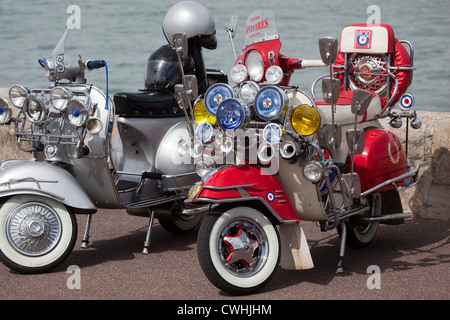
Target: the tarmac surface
pixel 413 260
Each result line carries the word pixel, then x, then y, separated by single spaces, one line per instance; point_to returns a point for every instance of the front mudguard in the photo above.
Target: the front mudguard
pixel 245 184
pixel 44 179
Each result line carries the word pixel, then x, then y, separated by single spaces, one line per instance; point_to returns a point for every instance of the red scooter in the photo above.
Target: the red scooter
pixel 271 156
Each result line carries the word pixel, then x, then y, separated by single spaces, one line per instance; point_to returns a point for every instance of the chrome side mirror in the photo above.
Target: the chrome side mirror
pixel 331 90
pixel 231 28
pixel 180 44
pixel 361 101
pixel 328 48
pixel 191 85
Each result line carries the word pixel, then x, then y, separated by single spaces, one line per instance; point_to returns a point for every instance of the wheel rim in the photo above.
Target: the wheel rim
pixel 369 73
pixel 243 248
pixel 33 229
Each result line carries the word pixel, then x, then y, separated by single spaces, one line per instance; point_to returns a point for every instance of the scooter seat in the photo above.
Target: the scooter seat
pixel 343 114
pixel 155 103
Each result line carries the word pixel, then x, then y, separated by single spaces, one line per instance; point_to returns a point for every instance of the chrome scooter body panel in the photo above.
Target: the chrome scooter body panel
pixel 44 179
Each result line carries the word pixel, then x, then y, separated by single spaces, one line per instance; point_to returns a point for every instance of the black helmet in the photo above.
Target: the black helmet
pixel 163 68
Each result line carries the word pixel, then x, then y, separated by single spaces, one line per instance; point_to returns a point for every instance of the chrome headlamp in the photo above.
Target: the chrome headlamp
pixel 238 73
pixel 60 98
pixel 248 91
pixel 5 111
pixel 17 95
pixel 271 103
pixel 313 171
pixel 77 113
pixel 274 75
pixel 255 65
pixel 232 114
pixel 215 95
pixel 35 108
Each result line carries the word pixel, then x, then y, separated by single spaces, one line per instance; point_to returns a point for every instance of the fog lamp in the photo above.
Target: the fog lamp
pixel 232 114
pixel 17 95
pixel 201 114
pixel 248 92
pixel 60 97
pixel 305 120
pixel 76 113
pixel 238 73
pixel 5 111
pixel 215 95
pixel 34 108
pixel 274 75
pixel 271 103
pixel 313 172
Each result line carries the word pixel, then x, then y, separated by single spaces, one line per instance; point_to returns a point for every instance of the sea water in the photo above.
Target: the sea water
pixel 125 33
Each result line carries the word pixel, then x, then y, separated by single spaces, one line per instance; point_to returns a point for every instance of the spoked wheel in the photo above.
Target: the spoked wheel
pixel 361 235
pixel 238 250
pixel 36 233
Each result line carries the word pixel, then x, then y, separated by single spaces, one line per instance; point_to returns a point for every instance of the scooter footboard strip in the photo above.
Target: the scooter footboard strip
pixel 391 181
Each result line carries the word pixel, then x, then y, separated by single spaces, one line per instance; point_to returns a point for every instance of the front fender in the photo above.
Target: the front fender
pixel 44 179
pixel 243 184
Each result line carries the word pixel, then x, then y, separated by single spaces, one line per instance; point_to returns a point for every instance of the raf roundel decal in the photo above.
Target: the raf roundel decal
pixel 363 39
pixel 270 196
pixel 406 101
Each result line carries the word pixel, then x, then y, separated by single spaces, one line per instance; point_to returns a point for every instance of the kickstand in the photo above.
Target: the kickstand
pixel 85 241
pixel 149 233
pixel 340 265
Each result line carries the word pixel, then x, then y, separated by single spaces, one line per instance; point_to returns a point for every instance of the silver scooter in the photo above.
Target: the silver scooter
pixel 81 163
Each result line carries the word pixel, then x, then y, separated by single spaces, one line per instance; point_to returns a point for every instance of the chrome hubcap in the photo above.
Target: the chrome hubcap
pixel 33 229
pixel 243 248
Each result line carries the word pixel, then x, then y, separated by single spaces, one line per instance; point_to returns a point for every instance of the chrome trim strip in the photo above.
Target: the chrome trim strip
pixel 381 185
pixel 228 187
pixel 274 213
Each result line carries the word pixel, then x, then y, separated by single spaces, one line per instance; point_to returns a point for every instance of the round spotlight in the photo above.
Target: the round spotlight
pixel 271 103
pixel 17 95
pixel 76 113
pixel 35 109
pixel 215 95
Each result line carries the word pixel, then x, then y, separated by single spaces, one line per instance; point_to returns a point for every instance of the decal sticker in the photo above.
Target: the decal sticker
pixel 363 39
pixel 406 101
pixel 397 158
pixel 407 182
pixel 270 196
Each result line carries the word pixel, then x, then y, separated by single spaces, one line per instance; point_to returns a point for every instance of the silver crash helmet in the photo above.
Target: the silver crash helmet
pixel 194 20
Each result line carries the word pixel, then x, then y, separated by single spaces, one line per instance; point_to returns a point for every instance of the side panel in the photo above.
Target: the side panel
pixel 40 178
pixel 383 159
pixel 240 183
pixel 301 192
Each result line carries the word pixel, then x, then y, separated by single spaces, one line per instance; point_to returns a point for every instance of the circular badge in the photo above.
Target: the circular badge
pixel 362 40
pixel 406 101
pixel 270 196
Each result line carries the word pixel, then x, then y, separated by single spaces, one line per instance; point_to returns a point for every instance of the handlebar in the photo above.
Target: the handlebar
pixel 312 63
pixel 95 64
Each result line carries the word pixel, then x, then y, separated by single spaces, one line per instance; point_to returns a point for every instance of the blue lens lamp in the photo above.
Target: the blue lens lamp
pixel 271 103
pixel 232 114
pixel 215 95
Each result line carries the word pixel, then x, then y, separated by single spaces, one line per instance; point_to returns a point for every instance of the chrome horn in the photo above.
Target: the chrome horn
pixel 288 151
pixel 265 152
